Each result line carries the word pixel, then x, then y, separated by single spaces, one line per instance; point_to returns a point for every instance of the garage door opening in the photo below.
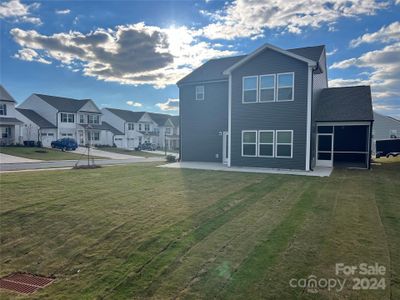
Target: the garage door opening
pixel 343 145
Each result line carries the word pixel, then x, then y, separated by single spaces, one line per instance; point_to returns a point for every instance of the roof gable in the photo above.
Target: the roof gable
pixel 5 96
pixel 126 115
pixel 62 103
pixel 273 48
pixel 160 119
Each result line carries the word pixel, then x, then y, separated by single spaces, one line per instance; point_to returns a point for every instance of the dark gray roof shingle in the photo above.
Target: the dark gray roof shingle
pixel 175 120
pixel 214 68
pixel 6 120
pixel 102 126
pixel 160 119
pixel 63 104
pixel 5 96
pixel 36 118
pixel 127 115
pixel 345 104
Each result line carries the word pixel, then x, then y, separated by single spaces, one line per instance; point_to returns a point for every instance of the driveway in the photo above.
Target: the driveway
pixel 105 154
pixel 10 159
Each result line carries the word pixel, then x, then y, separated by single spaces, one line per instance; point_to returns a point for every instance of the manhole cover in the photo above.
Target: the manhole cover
pixel 24 283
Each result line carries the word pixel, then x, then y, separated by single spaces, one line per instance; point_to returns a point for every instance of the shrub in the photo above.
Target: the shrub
pixel 171 158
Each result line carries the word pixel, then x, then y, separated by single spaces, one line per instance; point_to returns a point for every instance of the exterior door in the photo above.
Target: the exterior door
pixel 225 153
pixel 325 149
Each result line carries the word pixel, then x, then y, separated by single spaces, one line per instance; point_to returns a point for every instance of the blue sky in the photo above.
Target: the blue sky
pixel 129 54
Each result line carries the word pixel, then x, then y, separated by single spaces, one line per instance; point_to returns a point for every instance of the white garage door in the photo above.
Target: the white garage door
pixel 47 138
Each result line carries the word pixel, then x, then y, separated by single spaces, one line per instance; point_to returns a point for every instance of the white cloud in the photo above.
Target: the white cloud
pixel 30 55
pixel 386 34
pixel 129 54
pixel 135 104
pixel 332 52
pixel 19 12
pixel 384 75
pixel 63 11
pixel 249 18
pixel 170 104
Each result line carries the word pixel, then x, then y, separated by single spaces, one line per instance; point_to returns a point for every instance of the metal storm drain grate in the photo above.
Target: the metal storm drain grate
pixel 24 283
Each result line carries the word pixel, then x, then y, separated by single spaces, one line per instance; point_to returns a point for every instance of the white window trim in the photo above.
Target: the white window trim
pixel 259 143
pixel 256 89
pixel 202 93
pixel 274 88
pixel 285 86
pixel 255 144
pixel 276 144
pixel 68 115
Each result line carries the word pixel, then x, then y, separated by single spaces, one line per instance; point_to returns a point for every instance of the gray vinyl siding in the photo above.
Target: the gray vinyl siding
pixel 202 121
pixel 319 82
pixel 291 115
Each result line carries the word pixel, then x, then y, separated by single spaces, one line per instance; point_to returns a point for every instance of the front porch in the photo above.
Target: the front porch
pixel 10 131
pixel 317 172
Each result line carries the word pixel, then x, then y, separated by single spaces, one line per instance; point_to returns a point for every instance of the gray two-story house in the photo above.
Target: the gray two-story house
pixel 273 109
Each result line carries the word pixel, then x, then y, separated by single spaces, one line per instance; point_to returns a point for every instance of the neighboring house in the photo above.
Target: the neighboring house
pixel 385 127
pixel 167 137
pixel 10 123
pixel 67 117
pixel 140 127
pixel 273 108
pixel 176 141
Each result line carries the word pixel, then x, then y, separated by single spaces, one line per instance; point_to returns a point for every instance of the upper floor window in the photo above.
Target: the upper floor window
pixel 82 119
pixel 267 88
pixel 168 130
pixel 285 86
pixel 200 92
pixel 67 118
pixel 140 127
pixel 249 89
pixel 3 109
pixel 93 119
pixel 147 127
pixel 131 126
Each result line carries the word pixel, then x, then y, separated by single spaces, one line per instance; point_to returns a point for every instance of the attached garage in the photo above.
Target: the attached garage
pixel 343 128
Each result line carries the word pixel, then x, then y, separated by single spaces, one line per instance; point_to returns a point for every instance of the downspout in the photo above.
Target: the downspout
pixel 180 130
pixel 229 120
pixel 308 126
pixel 369 145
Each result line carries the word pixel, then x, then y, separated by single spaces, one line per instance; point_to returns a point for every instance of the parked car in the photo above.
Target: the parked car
pixel 65 144
pixel 147 146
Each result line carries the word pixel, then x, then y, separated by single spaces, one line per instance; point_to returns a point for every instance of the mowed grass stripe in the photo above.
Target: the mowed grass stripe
pixel 158 253
pixel 206 265
pixel 253 269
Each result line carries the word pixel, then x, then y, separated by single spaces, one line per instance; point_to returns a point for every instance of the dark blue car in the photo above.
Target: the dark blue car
pixel 65 144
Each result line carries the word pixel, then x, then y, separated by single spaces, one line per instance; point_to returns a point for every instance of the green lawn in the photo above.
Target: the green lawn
pixel 129 152
pixel 40 153
pixel 138 231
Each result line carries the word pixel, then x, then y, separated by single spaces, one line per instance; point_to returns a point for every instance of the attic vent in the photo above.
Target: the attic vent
pixel 24 283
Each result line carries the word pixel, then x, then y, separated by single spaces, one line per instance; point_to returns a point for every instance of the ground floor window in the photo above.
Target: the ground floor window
pixel 284 143
pixel 94 136
pixel 5 132
pixel 249 143
pixel 267 143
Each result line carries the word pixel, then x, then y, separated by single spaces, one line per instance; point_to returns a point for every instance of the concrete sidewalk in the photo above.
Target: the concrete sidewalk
pixel 318 171
pixel 70 163
pixel 10 159
pixel 105 154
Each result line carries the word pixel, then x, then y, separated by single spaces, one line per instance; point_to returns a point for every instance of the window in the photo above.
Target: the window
pixel 131 126
pixel 3 109
pixel 285 86
pixel 249 143
pixel 200 92
pixel 67 134
pixel 147 127
pixel 284 143
pixel 93 119
pixel 94 135
pixel 5 132
pixel 168 130
pixel 140 127
pixel 267 88
pixel 82 119
pixel 249 89
pixel 67 118
pixel 266 143
pixel 393 133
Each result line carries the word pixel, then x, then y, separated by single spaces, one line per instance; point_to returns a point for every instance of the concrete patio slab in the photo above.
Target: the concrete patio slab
pixel 318 171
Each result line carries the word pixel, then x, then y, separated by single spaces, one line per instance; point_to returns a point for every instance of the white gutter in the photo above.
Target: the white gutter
pixel 229 119
pixel 308 133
